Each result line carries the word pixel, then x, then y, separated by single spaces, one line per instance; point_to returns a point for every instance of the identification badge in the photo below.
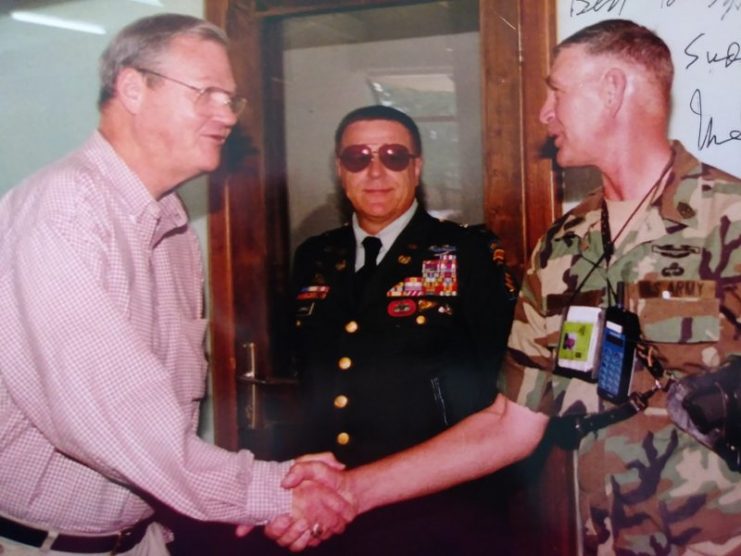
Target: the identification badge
pixel 577 354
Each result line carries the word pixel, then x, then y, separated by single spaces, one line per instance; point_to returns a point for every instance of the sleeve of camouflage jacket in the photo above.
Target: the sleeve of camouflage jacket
pixel 522 378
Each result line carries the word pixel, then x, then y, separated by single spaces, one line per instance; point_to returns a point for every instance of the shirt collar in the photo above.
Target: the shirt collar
pixel 155 218
pixel 674 202
pixel 387 236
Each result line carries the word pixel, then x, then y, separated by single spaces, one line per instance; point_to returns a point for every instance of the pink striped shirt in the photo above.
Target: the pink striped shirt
pixel 102 365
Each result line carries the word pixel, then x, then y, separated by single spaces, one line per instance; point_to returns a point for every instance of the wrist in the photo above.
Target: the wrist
pixel 356 490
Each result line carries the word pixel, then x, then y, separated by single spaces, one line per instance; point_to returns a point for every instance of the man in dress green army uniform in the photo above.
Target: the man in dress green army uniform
pixel 391 356
pixel 661 240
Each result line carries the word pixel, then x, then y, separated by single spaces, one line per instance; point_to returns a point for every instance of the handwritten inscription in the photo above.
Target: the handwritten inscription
pixel 581 7
pixel 726 6
pixel 694 50
pixel 706 136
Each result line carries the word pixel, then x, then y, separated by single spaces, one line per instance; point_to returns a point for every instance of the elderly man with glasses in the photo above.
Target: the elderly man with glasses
pixel 102 367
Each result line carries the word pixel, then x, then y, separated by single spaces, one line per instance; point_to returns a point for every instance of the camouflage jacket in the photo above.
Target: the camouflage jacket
pixel 644 486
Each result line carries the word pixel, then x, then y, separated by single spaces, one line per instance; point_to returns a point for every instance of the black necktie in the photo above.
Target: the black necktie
pixel 371 245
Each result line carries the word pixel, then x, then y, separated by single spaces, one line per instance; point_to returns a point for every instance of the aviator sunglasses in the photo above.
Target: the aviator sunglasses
pixel 356 158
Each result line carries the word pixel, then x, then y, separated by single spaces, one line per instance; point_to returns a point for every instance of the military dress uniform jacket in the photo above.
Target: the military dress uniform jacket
pixel 417 352
pixel 644 486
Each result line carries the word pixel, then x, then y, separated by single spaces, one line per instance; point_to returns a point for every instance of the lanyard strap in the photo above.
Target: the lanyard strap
pixel 608 242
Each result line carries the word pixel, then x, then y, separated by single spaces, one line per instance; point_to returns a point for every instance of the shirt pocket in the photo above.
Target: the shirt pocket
pixel 677 311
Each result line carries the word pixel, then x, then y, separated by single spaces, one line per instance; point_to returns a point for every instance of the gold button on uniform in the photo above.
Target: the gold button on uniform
pixel 421 319
pixel 344 363
pixel 351 327
pixel 341 401
pixel 343 438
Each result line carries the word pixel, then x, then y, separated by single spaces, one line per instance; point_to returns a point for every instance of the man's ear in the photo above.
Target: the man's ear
pixel 130 89
pixel 614 82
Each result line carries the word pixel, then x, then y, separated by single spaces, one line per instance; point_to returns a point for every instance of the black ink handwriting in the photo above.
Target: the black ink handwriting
pixel 694 57
pixel 727 58
pixel 580 7
pixel 706 136
pixel 726 5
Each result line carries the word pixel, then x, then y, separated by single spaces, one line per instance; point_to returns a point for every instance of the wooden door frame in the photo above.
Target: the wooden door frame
pixel 248 247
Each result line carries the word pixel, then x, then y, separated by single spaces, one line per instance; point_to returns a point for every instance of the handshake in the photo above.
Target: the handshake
pixel 323 503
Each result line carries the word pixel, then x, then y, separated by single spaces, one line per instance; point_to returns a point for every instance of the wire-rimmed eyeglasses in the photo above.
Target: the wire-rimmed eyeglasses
pixel 208 99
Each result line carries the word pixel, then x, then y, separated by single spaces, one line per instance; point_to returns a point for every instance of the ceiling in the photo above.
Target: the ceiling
pixel 101 17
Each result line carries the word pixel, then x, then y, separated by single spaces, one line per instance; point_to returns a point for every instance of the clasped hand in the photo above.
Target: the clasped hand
pixel 322 503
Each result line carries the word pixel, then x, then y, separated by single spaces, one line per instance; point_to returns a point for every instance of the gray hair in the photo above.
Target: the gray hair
pixel 631 42
pixel 141 44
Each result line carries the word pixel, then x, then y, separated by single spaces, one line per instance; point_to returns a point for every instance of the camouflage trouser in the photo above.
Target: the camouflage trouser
pixel 672 496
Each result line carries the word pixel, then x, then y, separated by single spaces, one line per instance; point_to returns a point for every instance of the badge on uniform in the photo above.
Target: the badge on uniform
pixel 442 249
pixel 401 308
pixel 305 311
pixel 672 270
pixel 313 292
pixel 439 275
pixel 438 278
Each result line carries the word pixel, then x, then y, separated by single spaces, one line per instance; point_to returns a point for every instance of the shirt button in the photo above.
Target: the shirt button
pixel 351 327
pixel 341 401
pixel 343 439
pixel 298 324
pixel 421 319
pixel 344 363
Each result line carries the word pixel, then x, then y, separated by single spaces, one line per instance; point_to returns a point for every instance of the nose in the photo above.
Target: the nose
pixel 226 116
pixel 547 110
pixel 376 168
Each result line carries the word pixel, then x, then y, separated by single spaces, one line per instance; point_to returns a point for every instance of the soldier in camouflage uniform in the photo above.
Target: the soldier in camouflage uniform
pixel 644 486
pixel 672 229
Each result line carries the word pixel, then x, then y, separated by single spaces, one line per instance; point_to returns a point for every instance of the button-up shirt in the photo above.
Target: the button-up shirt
pixel 102 364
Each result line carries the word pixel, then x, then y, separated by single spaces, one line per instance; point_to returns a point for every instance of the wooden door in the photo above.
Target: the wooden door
pixel 249 253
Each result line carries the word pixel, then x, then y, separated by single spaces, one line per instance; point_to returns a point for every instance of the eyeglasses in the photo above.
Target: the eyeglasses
pixel 356 158
pixel 208 99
